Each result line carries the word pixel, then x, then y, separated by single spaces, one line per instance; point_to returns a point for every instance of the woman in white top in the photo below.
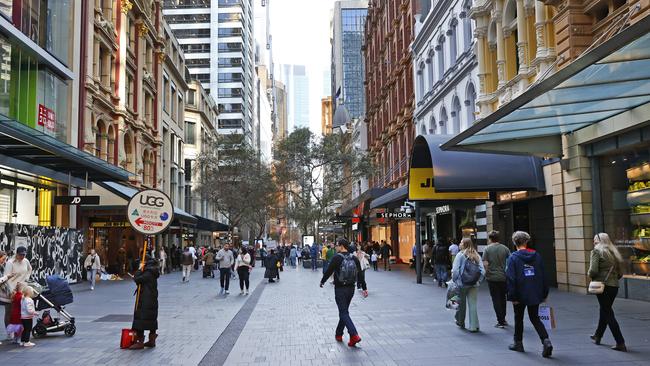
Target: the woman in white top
pixel 17 269
pixel 365 264
pixel 243 268
pixel 163 260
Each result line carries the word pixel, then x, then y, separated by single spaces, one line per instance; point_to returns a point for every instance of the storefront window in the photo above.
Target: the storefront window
pixel 625 195
pixel 46 22
pixel 31 94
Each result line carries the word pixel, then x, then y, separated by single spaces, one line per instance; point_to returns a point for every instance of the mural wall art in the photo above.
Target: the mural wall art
pixel 50 250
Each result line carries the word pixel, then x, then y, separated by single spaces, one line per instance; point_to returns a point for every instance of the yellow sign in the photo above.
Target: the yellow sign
pixel 421 188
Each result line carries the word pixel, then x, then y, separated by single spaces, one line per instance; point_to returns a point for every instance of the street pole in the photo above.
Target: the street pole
pixel 418 244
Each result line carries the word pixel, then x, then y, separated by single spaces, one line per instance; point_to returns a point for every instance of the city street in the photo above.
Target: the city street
pixel 292 323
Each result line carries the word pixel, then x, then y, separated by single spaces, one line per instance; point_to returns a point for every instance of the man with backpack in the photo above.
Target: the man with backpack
pixel 467 273
pixel 346 269
pixel 494 260
pixel 441 262
pixel 527 288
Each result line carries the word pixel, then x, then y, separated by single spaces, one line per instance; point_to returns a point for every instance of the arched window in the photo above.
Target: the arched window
pixel 441 57
pixel 455 116
pixel 152 169
pixel 101 140
pixel 451 33
pixel 443 121
pixel 470 102
pixel 423 129
pixel 145 168
pixel 421 81
pixel 110 145
pixel 510 33
pixel 430 70
pixel 432 125
pixel 129 150
pixel 467 25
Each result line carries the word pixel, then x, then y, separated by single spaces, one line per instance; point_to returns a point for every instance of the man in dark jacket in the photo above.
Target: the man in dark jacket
pixel 441 262
pixel 343 292
pixel 527 288
pixel 271 264
pixel 313 252
pixel 386 251
pixel 145 316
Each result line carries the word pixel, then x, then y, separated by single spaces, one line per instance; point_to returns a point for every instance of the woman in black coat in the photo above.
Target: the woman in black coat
pixel 145 316
pixel 271 264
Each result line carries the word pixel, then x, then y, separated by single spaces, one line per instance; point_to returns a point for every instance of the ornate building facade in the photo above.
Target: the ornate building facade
pixel 389 88
pixel 124 49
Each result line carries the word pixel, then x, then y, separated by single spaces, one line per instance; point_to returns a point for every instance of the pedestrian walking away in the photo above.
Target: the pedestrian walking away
pixel 93 266
pixel 163 260
pixel 494 258
pixel 605 267
pixel 346 268
pixel 313 253
pixel 243 268
pixel 468 273
pixel 441 262
pixel 386 252
pixel 226 261
pixel 187 261
pixel 527 289
pixel 145 316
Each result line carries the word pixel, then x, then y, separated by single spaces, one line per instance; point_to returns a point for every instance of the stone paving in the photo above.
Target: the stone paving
pixel 292 323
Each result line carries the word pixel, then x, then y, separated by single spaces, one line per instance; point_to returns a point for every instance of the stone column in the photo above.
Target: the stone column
pixel 522 38
pixel 501 52
pixel 482 56
pixel 540 23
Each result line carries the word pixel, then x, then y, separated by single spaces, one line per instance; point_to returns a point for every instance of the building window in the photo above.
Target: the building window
pixel 421 81
pixel 423 129
pixel 190 96
pixel 455 116
pixel 110 145
pixel 172 102
pixel 451 33
pixel 441 57
pixel 180 108
pixel 129 91
pixel 467 25
pixel 100 139
pixel 470 102
pixel 129 152
pixel 443 121
pixel 432 125
pixel 430 71
pixel 190 133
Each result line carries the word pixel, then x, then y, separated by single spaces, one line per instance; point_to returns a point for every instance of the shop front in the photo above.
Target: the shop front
pixel 592 116
pixel 360 218
pixel 388 224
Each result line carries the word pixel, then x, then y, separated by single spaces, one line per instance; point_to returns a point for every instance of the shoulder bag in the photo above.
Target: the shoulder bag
pixel 598 287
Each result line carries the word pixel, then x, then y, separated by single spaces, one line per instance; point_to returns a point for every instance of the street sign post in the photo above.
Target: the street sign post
pixel 150 212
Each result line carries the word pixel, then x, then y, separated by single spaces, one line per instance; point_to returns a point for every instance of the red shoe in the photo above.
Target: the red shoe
pixel 354 340
pixel 339 338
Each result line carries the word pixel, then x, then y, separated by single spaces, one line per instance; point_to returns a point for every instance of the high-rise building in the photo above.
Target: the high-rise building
pixel 217 38
pixel 282 125
pixel 297 87
pixel 348 21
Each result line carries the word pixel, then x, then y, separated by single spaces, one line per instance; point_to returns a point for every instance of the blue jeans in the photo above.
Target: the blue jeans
pixel 314 264
pixel 293 261
pixel 343 296
pixel 441 273
pixel 325 264
pixel 93 277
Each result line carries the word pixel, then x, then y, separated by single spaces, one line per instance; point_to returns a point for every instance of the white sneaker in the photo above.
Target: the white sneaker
pixel 28 344
pixel 92 288
pixel 246 291
pixel 241 292
pixel 227 292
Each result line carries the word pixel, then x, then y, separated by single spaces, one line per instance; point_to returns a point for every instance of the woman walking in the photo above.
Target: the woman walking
pixel 272 263
pixel 605 266
pixel 365 264
pixel 243 268
pixel 467 273
pixel 146 311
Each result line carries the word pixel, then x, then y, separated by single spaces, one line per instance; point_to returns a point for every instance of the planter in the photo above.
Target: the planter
pixel 641 268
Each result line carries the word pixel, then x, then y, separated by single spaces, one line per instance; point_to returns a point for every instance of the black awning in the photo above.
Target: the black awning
pixel 370 194
pixel 436 174
pixel 21 142
pixel 210 225
pixel 391 197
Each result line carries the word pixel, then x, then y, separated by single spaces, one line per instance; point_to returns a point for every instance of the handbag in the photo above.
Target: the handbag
pixel 598 287
pixel 128 338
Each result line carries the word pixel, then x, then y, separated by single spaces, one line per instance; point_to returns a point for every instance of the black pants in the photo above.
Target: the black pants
pixel 533 315
pixel 343 296
pixel 498 291
pixel 243 278
pixel 374 265
pixel 607 318
pixel 224 277
pixel 361 278
pixel 27 330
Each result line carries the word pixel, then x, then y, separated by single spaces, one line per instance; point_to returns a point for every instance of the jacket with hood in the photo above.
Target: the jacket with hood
pixel 525 278
pixel 145 316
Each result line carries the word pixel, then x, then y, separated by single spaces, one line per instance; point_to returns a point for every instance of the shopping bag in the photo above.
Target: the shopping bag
pixel 453 296
pixel 128 338
pixel 547 316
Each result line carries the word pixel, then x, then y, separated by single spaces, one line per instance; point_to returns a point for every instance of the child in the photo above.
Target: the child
pixel 27 314
pixel 15 327
pixel 373 260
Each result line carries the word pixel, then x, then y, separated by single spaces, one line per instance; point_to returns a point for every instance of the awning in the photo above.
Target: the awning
pixel 371 193
pixel 23 143
pixel 391 197
pixel 611 79
pixel 128 192
pixel 210 225
pixel 456 175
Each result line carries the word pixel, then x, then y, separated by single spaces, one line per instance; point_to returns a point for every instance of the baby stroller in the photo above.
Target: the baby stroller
pixel 54 296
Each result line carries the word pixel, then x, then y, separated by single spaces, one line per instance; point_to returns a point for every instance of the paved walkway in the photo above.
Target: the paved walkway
pixel 292 323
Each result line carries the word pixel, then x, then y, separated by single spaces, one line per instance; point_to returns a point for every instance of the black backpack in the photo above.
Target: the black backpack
pixel 471 273
pixel 347 274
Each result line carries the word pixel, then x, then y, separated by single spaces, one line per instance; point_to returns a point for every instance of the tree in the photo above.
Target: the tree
pixel 315 173
pixel 261 200
pixel 234 180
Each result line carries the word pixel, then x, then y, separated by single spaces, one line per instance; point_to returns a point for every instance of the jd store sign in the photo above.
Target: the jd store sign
pixel 150 212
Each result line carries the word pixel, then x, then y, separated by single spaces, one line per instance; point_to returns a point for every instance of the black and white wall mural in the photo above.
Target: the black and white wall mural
pixel 50 250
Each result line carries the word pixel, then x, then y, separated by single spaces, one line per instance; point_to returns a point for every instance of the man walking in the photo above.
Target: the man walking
pixel 346 269
pixel 386 252
pixel 313 253
pixel 226 261
pixel 494 259
pixel 187 261
pixel 442 261
pixel 527 288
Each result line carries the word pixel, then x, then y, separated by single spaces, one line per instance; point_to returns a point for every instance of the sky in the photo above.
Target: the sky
pixel 301 35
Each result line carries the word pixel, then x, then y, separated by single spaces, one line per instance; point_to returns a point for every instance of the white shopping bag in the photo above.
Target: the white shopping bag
pixel 547 316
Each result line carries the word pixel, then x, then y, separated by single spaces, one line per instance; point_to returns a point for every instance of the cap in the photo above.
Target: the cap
pixel 21 250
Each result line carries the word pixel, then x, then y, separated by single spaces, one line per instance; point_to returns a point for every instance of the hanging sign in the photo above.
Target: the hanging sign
pixel 150 212
pixel 394 215
pixel 46 118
